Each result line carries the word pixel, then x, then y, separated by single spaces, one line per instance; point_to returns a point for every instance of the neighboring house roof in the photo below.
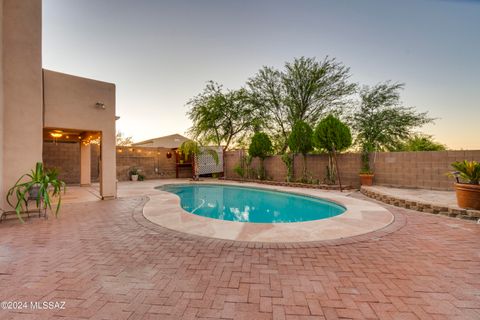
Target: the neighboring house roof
pixel 172 141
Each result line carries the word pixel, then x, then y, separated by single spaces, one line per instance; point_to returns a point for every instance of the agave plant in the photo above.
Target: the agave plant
pixel 44 182
pixel 467 171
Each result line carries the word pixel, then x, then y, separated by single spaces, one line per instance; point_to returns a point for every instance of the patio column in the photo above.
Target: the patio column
pixel 85 164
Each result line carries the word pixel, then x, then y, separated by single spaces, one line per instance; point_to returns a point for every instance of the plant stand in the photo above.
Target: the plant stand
pixel 39 209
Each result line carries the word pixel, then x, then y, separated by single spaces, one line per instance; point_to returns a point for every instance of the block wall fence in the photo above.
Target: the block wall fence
pixel 424 170
pixel 152 162
pixel 397 169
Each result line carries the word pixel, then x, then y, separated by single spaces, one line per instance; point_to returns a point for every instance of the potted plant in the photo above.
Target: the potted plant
pixel 467 185
pixel 40 185
pixel 134 172
pixel 366 173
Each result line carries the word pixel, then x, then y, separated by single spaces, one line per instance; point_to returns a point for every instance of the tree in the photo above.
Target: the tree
pixel 333 136
pixel 261 147
pixel 123 141
pixel 306 90
pixel 221 117
pixel 300 140
pixel 420 143
pixel 381 122
pixel 267 92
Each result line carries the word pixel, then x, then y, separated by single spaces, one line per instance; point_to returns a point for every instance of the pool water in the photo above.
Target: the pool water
pixel 251 204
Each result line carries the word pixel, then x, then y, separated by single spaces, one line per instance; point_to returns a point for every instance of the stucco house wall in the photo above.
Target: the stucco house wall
pixel 70 102
pixel 21 83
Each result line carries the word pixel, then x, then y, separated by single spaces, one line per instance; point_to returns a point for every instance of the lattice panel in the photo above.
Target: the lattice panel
pixel 206 164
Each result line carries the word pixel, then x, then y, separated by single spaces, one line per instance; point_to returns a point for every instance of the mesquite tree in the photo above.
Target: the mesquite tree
pixel 222 117
pixel 305 90
pixel 381 123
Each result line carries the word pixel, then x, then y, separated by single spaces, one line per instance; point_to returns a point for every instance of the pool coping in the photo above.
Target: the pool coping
pixel 361 217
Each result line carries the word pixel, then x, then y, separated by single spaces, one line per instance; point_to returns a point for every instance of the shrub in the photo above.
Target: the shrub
pixel 238 169
pixel 300 140
pixel 332 135
pixel 260 147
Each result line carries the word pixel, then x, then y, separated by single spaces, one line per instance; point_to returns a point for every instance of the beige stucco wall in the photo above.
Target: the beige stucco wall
pixel 22 89
pixel 69 103
pixel 2 192
pixel 85 164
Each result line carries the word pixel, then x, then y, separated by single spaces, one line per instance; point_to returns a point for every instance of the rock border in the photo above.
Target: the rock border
pixel 421 206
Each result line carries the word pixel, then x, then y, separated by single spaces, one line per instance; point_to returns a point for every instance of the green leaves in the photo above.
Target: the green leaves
pixel 331 134
pixel 468 171
pixel 261 146
pixel 45 182
pixel 221 117
pixel 193 148
pixel 420 143
pixel 300 139
pixel 380 122
pixel 306 90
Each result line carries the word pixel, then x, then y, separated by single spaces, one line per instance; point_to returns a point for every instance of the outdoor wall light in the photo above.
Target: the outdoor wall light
pixel 169 155
pixel 56 134
pixel 100 105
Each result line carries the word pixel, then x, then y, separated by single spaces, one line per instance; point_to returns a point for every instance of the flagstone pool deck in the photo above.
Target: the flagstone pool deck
pixel 107 261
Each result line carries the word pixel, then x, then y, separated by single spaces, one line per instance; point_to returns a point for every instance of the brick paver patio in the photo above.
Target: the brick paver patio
pixel 107 262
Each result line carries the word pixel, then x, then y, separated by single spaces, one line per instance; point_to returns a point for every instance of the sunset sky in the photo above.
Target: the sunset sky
pixel 161 53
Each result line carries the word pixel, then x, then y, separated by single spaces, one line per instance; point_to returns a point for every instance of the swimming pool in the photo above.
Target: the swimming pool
pixel 245 204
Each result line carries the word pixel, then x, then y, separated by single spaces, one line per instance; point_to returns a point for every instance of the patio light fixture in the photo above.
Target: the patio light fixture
pixel 100 105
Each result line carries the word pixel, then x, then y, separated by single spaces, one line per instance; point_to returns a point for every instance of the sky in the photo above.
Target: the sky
pixel 160 54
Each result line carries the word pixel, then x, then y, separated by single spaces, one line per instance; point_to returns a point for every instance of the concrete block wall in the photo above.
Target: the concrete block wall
pixel 146 160
pixel 426 170
pixel 65 157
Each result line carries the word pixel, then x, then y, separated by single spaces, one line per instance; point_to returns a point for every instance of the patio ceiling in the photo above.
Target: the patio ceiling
pixel 70 135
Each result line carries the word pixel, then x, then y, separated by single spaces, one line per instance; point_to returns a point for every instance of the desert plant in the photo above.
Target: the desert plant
pixel 287 158
pixel 365 156
pixel 134 171
pixel 260 147
pixel 468 171
pixel 238 169
pixel 44 182
pixel 300 141
pixel 333 136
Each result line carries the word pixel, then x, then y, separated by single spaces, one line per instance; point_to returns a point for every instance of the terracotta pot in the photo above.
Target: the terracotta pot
pixel 366 179
pixel 468 195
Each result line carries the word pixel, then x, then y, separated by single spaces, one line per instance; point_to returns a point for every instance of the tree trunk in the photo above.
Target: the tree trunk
pixel 338 172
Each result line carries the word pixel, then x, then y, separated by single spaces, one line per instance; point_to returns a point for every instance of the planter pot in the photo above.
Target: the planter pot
pixel 33 191
pixel 366 179
pixel 468 195
pixel 134 177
